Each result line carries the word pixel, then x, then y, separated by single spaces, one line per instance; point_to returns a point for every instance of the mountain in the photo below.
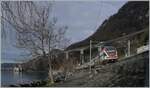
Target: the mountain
pixel 8 65
pixel 131 17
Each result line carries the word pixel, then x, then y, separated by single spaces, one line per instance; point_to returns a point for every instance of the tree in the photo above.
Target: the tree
pixel 36 31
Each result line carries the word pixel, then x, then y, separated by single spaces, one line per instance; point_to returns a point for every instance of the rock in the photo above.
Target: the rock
pixel 43 82
pixel 25 85
pixel 91 76
pixel 95 71
pixel 59 77
pixel 14 86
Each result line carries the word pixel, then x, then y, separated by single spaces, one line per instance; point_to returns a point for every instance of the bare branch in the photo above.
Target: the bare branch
pixel 35 30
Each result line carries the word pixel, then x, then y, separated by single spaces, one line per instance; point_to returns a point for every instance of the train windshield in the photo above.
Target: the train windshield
pixel 110 49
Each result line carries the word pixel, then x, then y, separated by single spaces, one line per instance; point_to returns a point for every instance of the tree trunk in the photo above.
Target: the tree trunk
pixel 50 72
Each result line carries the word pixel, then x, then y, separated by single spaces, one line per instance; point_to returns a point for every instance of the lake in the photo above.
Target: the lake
pixel 11 77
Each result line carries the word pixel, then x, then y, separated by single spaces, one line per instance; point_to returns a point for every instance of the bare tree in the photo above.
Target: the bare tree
pixel 36 30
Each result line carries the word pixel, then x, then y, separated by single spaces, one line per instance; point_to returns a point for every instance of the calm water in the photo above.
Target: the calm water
pixel 10 77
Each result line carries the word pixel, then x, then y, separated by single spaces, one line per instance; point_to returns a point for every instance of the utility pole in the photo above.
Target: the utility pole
pixel 90 53
pixel 81 56
pixel 128 47
pixel 67 56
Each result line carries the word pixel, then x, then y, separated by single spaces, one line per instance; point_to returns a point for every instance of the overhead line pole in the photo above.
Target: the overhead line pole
pixel 90 54
pixel 128 47
pixel 117 39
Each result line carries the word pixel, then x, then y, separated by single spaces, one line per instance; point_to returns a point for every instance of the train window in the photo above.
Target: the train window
pixel 104 54
pixel 110 49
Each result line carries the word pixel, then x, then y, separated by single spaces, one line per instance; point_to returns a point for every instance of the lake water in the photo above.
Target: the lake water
pixel 10 77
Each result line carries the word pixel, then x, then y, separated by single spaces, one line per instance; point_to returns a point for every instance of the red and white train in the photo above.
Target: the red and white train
pixel 108 53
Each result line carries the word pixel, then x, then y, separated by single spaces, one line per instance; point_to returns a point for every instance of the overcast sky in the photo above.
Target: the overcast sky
pixel 82 18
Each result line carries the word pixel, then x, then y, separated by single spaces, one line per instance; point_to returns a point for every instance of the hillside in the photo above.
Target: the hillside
pixel 130 72
pixel 131 17
pixel 8 65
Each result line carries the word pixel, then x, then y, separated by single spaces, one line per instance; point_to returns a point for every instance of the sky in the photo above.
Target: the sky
pixel 82 18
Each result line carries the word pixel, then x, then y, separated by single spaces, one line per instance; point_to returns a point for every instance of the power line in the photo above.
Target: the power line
pixel 96 43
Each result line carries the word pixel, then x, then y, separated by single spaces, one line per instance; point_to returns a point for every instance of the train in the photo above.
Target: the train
pixel 107 54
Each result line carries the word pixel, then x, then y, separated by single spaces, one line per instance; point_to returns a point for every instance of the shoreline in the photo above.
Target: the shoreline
pixel 37 83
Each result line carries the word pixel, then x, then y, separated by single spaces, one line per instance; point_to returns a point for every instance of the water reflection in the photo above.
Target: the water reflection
pixel 11 77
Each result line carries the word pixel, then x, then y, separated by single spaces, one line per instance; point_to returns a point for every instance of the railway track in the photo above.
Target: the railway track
pixel 100 66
